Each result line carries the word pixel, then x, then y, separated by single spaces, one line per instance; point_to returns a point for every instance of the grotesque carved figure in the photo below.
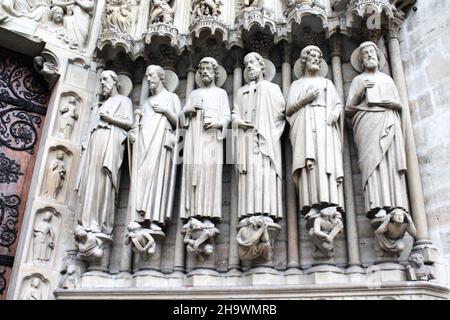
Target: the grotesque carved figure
pixel 56 176
pixel 202 8
pixel 323 227
pixel 88 245
pixel 141 240
pixel 69 114
pixel 253 238
pixel 199 237
pixel 418 270
pixel 162 11
pixel 98 179
pixel 374 106
pixel 313 110
pixel 43 239
pixel 47 69
pixel 391 231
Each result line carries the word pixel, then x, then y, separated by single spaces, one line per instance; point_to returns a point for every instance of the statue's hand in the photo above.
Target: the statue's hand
pixel 191 110
pixel 244 125
pixel 311 95
pixel 157 108
pixel 132 134
pixel 214 125
pixel 332 118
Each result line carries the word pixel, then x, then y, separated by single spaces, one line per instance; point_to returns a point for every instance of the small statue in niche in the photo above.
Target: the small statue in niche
pixel 69 114
pixel 199 237
pixel 47 69
pixel 88 245
pixel 391 231
pixel 163 11
pixel 71 278
pixel 417 270
pixel 43 239
pixel 323 227
pixel 56 176
pixel 253 238
pixel 141 240
pixel 202 8
pixel 34 291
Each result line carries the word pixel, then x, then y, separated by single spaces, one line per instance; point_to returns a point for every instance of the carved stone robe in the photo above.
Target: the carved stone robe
pixel 201 186
pixel 156 146
pixel 314 140
pixel 100 170
pixel 77 24
pixel 257 151
pixel 381 148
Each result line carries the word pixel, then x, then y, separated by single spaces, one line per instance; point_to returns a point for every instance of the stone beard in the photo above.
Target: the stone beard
pixel 100 172
pixel 257 150
pixel 201 185
pixel 317 167
pixel 156 147
pixel 379 139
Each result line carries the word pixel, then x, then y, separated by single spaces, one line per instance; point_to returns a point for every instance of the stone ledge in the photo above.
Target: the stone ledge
pixel 391 290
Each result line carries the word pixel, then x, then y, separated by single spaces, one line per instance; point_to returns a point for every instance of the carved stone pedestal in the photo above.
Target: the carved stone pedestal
pixel 323 274
pixel 262 276
pixel 203 278
pixel 150 278
pixel 150 262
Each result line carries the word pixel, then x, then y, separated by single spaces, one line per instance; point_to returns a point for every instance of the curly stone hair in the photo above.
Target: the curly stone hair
pixel 260 60
pixel 160 71
pixel 214 64
pixel 305 53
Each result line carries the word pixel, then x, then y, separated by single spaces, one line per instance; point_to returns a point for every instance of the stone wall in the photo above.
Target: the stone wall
pixel 426 60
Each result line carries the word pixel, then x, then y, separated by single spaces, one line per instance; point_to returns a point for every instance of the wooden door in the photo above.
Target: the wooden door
pixel 24 97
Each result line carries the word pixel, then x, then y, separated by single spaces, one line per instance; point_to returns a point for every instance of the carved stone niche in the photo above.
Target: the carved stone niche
pixel 69 110
pixel 34 287
pixel 260 17
pixel 44 239
pixel 56 180
pixel 305 10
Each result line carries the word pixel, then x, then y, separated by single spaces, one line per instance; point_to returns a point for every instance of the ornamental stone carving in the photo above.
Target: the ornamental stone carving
pixel 68 115
pixel 199 237
pixel 118 16
pixel 43 238
pixel 56 176
pixel 322 228
pixel 48 69
pixel 71 278
pixel 89 246
pixel 34 288
pixel 417 270
pixel 201 8
pixel 140 239
pixel 163 11
pixel 34 10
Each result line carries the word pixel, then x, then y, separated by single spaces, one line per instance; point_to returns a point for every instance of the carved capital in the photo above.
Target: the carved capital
pixel 336 45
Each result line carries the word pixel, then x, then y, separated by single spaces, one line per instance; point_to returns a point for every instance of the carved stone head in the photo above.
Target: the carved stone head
pixel 56 14
pixel 368 57
pixel 254 63
pixel 311 56
pixel 35 282
pixel 156 76
pixel 416 260
pixel 48 216
pixel 208 69
pixel 398 216
pixel 108 81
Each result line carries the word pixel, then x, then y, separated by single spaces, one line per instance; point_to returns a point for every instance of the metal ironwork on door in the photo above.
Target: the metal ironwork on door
pixel 24 97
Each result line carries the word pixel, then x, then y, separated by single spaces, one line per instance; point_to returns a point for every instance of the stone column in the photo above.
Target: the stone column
pixel 293 259
pixel 233 255
pixel 350 213
pixel 416 197
pixel 190 81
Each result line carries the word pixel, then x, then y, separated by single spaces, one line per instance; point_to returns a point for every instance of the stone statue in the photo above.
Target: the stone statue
pixel 56 17
pixel 390 231
pixel 55 176
pixel 117 16
pixel 98 179
pixel 71 278
pixel 69 114
pixel 417 270
pixel 34 292
pixel 205 116
pixel 88 245
pixel 47 69
pixel 77 20
pixel 313 110
pixel 374 106
pixel 43 239
pixel 322 228
pixel 258 123
pixel 36 10
pixel 155 151
pixel 141 240
pixel 163 11
pixel 253 238
pixel 199 237
pixel 201 8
